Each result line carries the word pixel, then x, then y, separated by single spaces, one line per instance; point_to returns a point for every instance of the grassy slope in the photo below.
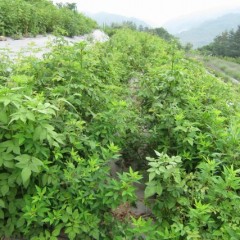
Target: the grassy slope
pixel 227 70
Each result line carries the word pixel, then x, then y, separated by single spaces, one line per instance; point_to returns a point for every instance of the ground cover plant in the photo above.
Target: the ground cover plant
pixel 135 99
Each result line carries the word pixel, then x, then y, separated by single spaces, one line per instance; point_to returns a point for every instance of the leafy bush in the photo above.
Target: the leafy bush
pixel 201 205
pixel 46 185
pixel 189 113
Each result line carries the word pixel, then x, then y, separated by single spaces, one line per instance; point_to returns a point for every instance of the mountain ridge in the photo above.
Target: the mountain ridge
pixel 208 30
pixel 108 18
pixel 187 22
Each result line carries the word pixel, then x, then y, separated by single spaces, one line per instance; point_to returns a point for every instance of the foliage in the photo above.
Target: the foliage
pixel 185 116
pixel 67 117
pixel 160 32
pixel 46 184
pixel 26 18
pixel 56 147
pixel 198 205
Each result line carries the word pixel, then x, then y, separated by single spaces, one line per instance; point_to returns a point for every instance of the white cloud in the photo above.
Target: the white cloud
pixel 154 11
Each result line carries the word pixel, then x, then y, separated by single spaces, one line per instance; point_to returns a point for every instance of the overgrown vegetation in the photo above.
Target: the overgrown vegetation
pixel 226 45
pixel 65 118
pixel 160 32
pixel 31 17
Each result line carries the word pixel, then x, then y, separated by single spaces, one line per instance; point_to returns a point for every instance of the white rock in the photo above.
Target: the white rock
pixel 2 38
pixel 99 36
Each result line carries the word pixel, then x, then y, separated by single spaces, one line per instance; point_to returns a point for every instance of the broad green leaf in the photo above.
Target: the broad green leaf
pixel 151 176
pixel 37 133
pixel 69 210
pixel 2 203
pixel 4 189
pixel 24 161
pixel 37 162
pixel 64 218
pixel 1 214
pixel 43 135
pixel 158 188
pixel 149 191
pixel 4 176
pixel 26 173
pixel 34 168
pixel 34 165
pixel 20 222
pixel 53 238
pixel 30 116
pixel 4 117
pixel 190 141
pixel 95 234
pixel 8 163
pixel 7 156
pixel 57 230
pixel 16 150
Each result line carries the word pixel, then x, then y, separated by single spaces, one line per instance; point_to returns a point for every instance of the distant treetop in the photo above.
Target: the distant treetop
pixel 226 44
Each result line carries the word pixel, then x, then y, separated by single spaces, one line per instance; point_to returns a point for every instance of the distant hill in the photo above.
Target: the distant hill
pixel 109 18
pixel 185 23
pixel 194 20
pixel 208 30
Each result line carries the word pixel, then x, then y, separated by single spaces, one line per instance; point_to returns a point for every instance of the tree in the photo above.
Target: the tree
pixel 72 6
pixel 226 44
pixel 236 43
pixel 188 47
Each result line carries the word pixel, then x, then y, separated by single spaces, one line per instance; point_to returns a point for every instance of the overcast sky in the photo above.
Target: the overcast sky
pixel 154 11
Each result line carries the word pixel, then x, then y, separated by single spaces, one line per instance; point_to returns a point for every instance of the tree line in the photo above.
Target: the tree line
pixel 226 44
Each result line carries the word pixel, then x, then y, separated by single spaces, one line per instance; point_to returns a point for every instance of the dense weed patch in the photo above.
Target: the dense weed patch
pixel 65 118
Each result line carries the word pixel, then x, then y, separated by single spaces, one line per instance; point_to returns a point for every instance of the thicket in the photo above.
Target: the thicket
pixel 226 44
pixel 28 18
pixel 135 98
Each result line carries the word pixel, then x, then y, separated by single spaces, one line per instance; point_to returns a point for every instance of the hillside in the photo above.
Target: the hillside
pixel 185 23
pixel 207 31
pixel 108 18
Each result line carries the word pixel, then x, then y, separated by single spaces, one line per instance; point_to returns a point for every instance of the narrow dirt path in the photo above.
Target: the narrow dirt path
pixel 40 44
